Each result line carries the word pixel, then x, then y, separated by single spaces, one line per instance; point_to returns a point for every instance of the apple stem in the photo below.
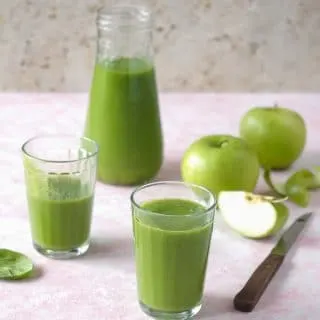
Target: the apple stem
pixel 249 197
pixel 223 142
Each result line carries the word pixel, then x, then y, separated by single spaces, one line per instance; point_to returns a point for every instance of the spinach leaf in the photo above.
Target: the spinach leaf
pixel 14 265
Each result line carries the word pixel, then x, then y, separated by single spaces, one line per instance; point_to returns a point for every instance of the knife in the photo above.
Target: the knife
pixel 249 295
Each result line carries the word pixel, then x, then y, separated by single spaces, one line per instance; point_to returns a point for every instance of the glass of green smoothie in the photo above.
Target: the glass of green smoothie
pixel 60 175
pixel 172 227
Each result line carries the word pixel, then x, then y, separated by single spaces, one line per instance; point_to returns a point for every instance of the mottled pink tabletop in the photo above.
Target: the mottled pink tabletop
pixel 101 285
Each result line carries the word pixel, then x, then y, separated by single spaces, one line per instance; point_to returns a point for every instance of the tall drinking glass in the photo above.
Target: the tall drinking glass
pixel 60 175
pixel 172 226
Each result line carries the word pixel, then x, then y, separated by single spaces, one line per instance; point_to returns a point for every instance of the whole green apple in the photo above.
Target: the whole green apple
pixel 277 134
pixel 221 162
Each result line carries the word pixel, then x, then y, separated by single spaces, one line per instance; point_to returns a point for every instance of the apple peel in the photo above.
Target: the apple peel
pixel 279 189
pixel 315 181
pixel 253 216
pixel 297 185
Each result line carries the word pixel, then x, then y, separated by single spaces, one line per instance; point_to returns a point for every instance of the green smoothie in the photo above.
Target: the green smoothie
pixel 60 213
pixel 123 118
pixel 171 264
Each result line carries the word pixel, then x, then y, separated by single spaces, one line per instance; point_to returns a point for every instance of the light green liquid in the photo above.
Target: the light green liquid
pixel 60 216
pixel 171 265
pixel 123 118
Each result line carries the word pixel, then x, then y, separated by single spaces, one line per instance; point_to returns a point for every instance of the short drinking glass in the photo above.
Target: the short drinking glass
pixel 60 175
pixel 172 226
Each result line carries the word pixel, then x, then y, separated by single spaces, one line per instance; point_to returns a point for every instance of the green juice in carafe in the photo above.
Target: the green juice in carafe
pixel 123 118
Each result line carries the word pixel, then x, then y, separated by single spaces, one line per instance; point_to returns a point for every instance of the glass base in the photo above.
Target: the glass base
pixel 157 314
pixel 62 254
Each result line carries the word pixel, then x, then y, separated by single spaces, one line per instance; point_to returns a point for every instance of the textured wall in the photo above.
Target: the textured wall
pixel 201 45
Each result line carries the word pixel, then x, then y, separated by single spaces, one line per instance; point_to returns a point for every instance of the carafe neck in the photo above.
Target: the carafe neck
pixel 124 31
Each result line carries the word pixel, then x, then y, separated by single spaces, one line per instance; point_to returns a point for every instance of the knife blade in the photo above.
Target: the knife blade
pixel 248 297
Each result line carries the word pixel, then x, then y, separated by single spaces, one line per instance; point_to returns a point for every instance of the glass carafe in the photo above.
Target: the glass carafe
pixel 123 115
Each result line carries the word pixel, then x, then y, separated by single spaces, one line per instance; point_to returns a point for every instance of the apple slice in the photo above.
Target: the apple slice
pixel 253 216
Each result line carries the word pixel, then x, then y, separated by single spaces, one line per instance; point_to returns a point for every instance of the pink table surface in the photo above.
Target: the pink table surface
pixel 101 285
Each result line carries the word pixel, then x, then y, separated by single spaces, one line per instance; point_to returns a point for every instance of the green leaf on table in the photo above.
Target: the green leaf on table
pixel 14 265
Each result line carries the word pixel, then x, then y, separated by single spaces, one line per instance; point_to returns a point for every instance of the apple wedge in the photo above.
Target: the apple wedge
pixel 253 216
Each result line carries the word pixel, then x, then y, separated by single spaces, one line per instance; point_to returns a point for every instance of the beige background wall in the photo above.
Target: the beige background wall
pixel 201 45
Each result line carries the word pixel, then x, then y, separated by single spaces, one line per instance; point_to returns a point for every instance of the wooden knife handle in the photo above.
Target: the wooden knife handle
pixel 249 295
